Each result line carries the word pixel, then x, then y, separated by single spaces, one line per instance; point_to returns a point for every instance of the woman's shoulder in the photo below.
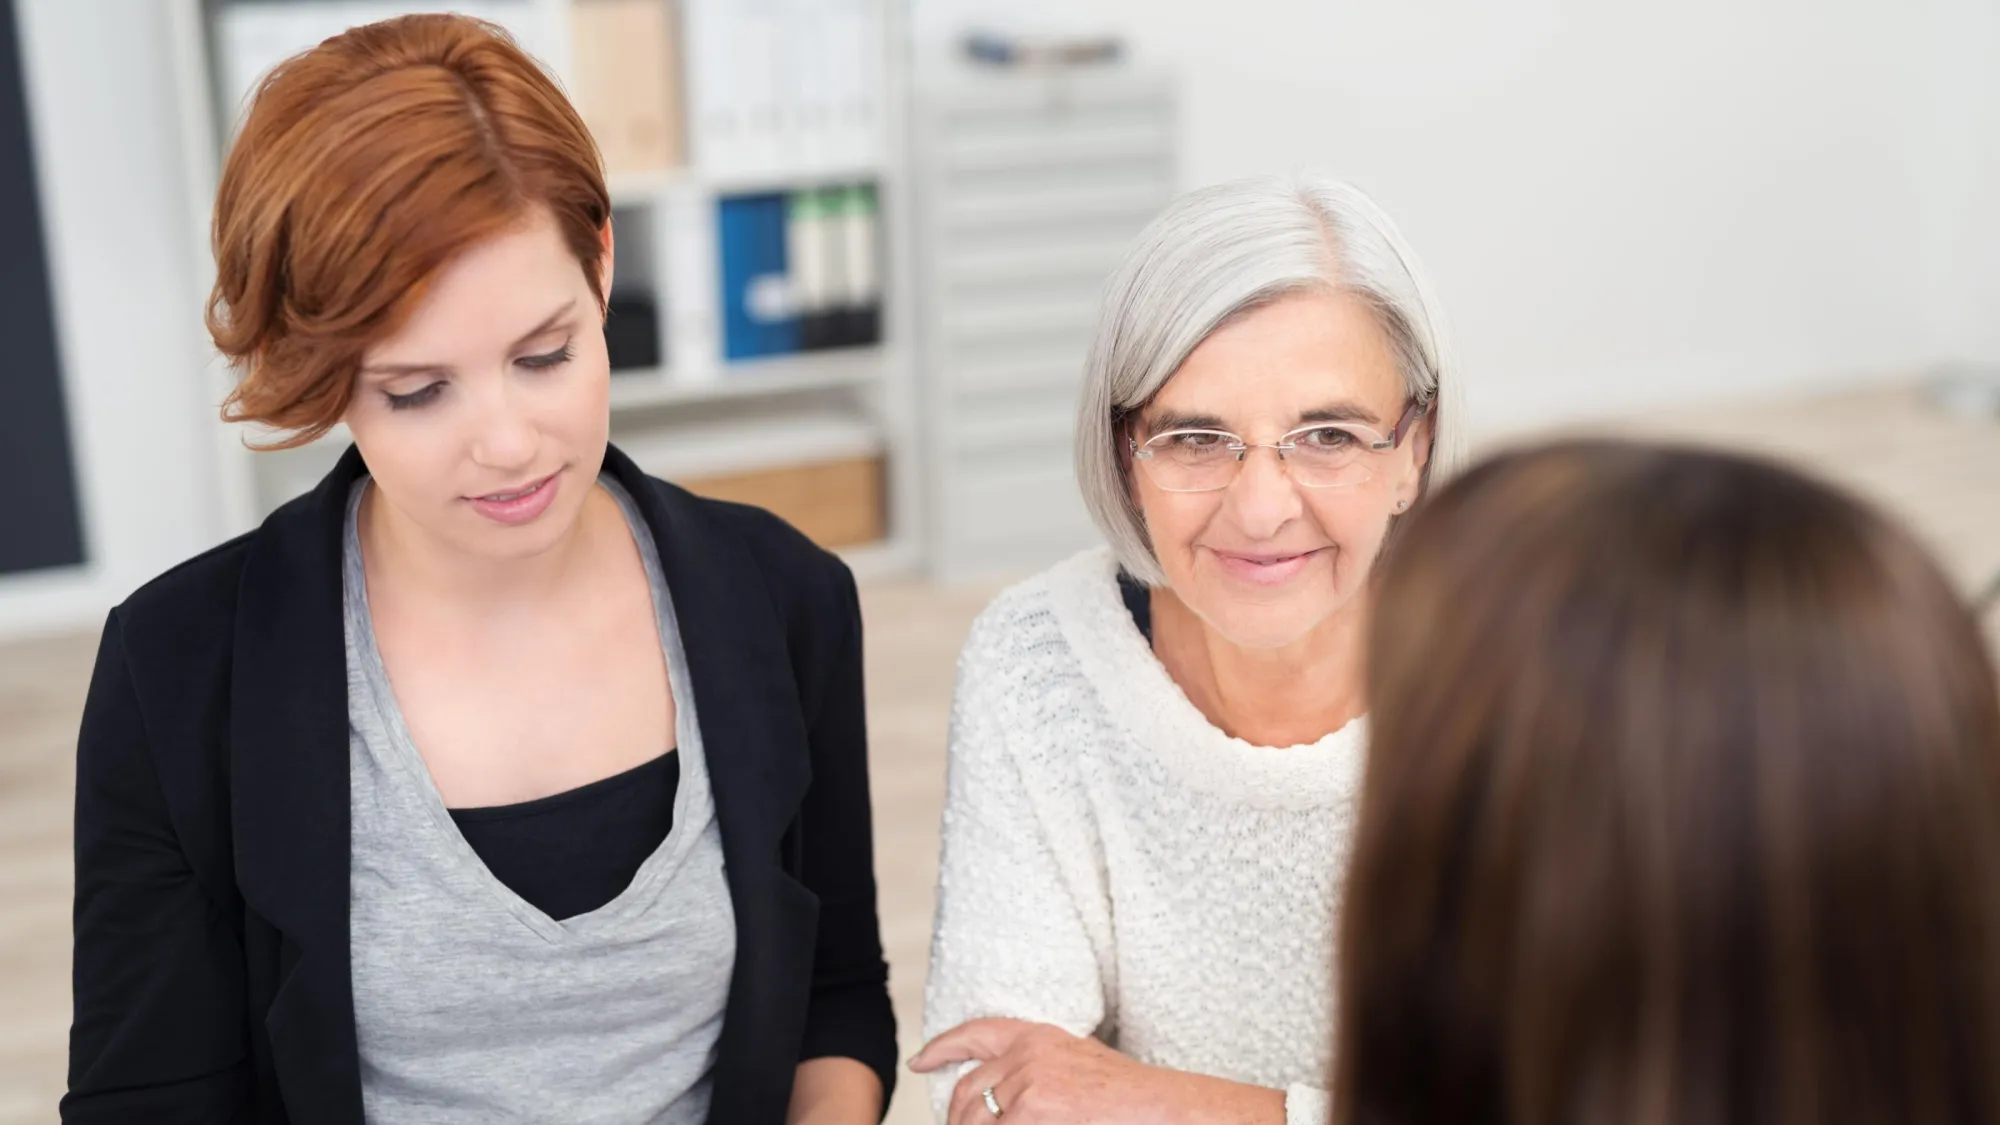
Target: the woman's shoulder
pixel 774 540
pixel 166 661
pixel 190 600
pixel 809 589
pixel 1026 612
pixel 1027 635
pixel 792 565
pixel 197 601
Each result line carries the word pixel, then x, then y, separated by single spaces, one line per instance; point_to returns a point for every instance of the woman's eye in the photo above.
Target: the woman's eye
pixel 421 397
pixel 1326 437
pixel 547 360
pixel 1199 440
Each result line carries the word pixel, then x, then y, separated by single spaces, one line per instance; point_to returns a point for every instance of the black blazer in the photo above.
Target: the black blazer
pixel 212 977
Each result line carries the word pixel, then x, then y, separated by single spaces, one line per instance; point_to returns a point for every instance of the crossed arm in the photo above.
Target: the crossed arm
pixel 1018 991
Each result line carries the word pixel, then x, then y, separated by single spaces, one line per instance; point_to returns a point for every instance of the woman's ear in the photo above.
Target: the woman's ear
pixel 1411 488
pixel 1420 442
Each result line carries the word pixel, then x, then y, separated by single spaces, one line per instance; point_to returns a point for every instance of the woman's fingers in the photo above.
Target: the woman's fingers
pixel 981 1040
pixel 968 1101
pixel 1007 1094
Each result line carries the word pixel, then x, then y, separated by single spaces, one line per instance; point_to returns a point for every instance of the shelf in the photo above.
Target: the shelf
pixel 1118 144
pixel 709 449
pixel 643 187
pixel 884 561
pixel 631 390
pixel 669 450
pixel 791 374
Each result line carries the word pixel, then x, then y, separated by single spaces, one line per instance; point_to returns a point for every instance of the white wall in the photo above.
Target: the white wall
pixel 1962 220
pixel 1624 205
pixel 102 103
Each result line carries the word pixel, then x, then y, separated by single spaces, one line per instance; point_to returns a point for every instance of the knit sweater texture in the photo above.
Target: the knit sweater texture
pixel 1117 866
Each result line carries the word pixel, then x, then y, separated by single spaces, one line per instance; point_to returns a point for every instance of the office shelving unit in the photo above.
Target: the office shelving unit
pixel 696 412
pixel 1030 185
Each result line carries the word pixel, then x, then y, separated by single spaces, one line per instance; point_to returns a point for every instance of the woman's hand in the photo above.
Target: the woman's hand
pixel 1043 1075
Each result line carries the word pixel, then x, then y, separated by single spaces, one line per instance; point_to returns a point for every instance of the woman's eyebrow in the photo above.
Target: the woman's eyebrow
pixel 391 369
pixel 551 321
pixel 1162 421
pixel 1339 412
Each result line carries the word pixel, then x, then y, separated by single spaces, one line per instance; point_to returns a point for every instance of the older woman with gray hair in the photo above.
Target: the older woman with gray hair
pixel 1156 746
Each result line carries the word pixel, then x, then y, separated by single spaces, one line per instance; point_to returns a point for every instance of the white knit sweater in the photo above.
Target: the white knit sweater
pixel 1115 865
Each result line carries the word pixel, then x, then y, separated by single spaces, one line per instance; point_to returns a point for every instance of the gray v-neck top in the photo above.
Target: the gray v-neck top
pixel 472 1006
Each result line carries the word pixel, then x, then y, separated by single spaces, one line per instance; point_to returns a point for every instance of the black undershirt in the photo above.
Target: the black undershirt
pixel 574 852
pixel 1138 602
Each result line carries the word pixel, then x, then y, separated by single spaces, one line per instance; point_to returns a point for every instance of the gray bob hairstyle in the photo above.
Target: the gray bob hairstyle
pixel 1214 254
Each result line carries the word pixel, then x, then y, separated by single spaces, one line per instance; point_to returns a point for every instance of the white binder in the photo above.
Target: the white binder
pixel 807 71
pixel 735 104
pixel 253 38
pixel 853 35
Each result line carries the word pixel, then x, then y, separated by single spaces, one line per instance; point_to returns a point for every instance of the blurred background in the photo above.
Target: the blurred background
pixel 860 248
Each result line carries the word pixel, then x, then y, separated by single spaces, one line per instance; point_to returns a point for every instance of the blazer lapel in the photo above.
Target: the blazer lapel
pixel 755 739
pixel 290 794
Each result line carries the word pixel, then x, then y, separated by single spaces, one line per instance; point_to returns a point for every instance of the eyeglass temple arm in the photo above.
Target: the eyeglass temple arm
pixel 1417 409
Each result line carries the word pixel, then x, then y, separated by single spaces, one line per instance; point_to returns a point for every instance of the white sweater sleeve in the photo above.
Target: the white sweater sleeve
pixel 1010 939
pixel 1305 1105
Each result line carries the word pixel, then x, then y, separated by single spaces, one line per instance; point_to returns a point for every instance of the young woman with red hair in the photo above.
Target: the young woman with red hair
pixel 493 780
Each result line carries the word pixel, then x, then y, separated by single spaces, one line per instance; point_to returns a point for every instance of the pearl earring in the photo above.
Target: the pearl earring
pixel 1402 505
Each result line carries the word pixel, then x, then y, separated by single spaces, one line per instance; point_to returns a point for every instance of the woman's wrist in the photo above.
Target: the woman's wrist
pixel 1218 1101
pixel 835 1091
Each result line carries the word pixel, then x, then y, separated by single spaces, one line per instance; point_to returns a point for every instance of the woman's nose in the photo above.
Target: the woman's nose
pixel 1263 497
pixel 504 435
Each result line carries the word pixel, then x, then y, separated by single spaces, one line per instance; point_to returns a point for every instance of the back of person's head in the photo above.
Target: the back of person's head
pixel 1682 806
pixel 362 167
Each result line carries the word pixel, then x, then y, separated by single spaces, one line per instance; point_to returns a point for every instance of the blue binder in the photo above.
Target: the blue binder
pixel 759 316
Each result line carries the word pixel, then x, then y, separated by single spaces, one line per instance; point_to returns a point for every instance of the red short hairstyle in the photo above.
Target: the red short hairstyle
pixel 364 165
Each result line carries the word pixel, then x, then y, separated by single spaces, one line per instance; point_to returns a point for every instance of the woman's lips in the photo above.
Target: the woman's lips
pixel 519 505
pixel 1265 569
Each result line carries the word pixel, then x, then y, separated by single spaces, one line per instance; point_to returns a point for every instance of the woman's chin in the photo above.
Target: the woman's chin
pixel 494 542
pixel 1269 626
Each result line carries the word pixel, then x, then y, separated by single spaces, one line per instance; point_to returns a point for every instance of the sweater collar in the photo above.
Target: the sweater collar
pixel 1146 702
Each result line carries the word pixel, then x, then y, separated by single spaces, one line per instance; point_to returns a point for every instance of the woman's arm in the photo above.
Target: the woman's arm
pixel 1012 942
pixel 850 1027
pixel 158 1029
pixel 1041 1075
pixel 1009 938
pixel 834 1091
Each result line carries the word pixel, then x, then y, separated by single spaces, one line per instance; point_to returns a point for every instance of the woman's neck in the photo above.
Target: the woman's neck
pixel 1286 696
pixel 424 570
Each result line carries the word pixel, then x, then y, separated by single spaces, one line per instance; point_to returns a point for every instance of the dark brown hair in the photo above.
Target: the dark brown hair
pixel 1682 806
pixel 364 165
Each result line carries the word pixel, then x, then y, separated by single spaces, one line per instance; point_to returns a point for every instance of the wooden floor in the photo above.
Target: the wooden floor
pixel 1942 475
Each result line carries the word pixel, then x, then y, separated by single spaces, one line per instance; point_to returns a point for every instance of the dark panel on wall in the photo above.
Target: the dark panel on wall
pixel 39 522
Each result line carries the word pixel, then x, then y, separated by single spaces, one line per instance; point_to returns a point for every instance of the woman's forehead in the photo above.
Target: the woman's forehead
pixel 1284 398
